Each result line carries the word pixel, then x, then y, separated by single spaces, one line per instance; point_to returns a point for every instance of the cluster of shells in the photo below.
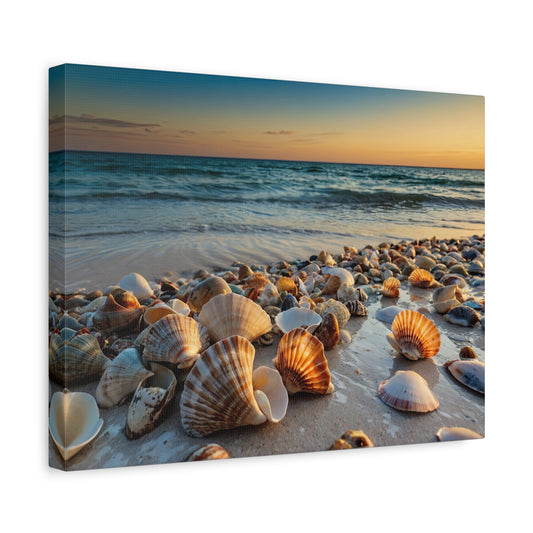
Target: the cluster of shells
pixel 135 337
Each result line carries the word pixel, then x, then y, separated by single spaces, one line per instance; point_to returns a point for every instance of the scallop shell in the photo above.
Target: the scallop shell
pixel 75 356
pixel 152 396
pixel 208 452
pixel 408 391
pixel 414 335
pixel 173 339
pixel 74 421
pixel 115 318
pixel 232 314
pixel 421 278
pixel 391 288
pixel 301 362
pixel 218 392
pixel 297 317
pixel 340 311
pixel 470 373
pixel 136 284
pixel 121 378
pixel 457 433
pixel 205 291
pixel 328 331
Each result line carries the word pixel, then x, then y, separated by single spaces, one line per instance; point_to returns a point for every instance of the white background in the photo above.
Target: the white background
pixel 458 46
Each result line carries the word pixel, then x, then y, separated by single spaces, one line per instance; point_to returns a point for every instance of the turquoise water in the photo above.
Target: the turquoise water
pixel 114 213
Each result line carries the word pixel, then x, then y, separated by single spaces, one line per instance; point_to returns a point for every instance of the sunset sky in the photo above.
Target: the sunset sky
pixel 127 110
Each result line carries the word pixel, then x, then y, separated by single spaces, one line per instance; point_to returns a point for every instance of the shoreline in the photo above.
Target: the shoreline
pixel 314 423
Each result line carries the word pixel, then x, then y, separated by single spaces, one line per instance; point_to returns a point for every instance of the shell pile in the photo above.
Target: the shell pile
pixel 182 351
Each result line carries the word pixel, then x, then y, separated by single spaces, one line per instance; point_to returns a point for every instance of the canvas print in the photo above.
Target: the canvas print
pixel 251 267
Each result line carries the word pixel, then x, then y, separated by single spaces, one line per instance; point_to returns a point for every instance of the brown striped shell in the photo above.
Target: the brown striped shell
pixel 421 278
pixel 173 339
pixel 113 317
pixel 414 335
pixel 328 331
pixel 218 392
pixel 209 452
pixel 205 291
pixel 408 391
pixel 301 362
pixel 391 288
pixel 232 314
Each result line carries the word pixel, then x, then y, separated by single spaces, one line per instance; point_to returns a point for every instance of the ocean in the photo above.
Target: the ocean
pixel 115 213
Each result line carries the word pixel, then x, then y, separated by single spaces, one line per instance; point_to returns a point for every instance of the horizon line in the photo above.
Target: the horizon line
pixel 262 159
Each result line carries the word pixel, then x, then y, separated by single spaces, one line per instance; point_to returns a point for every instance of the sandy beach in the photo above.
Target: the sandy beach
pixel 315 422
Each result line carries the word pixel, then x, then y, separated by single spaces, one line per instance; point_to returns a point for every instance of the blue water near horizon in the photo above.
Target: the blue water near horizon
pixel 121 212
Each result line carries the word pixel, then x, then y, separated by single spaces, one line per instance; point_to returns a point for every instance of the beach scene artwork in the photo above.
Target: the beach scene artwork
pixel 244 267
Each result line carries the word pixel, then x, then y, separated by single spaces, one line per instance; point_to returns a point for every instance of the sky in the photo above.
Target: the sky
pixel 144 111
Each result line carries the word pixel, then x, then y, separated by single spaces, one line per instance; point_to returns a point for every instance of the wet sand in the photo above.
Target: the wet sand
pixel 313 423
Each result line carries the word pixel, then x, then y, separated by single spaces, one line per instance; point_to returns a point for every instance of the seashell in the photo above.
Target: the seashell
pixel 75 356
pixel 356 308
pixel 121 378
pixel 74 421
pixel 388 314
pixel 352 439
pixel 341 312
pixel 156 311
pixel 306 303
pixel 126 299
pixel 245 272
pixel 328 331
pixel 179 306
pixel 344 275
pixel 421 278
pixel 462 315
pixel 136 284
pixel 425 262
pixel 453 279
pixel 70 322
pixel 289 302
pixel 229 277
pixel 287 285
pixel 207 452
pixel 414 336
pixel 152 396
pixel 344 337
pixel 391 288
pixel 458 269
pixel 205 290
pixel 269 296
pixel 95 304
pixel 408 391
pixel 232 314
pixel 252 293
pixel 360 279
pixel 113 317
pixel 301 362
pixel 218 392
pixel 457 433
pixel 476 268
pixel 467 353
pixel 297 318
pixel 270 393
pixel 346 293
pixel 469 373
pixel 173 339
pixel 326 258
pixel 256 281
pixel 332 285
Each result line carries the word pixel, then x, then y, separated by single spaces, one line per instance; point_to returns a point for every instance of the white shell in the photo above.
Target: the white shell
pixel 408 391
pixel 344 275
pixel 297 317
pixel 136 284
pixel 457 433
pixel 388 314
pixel 121 378
pixel 470 373
pixel 270 393
pixel 74 421
pixel 180 307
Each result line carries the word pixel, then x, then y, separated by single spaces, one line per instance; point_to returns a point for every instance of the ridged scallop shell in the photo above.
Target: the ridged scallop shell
pixel 115 318
pixel 74 421
pixel 457 433
pixel 414 335
pixel 218 392
pixel 301 362
pixel 297 317
pixel 408 391
pixel 391 288
pixel 328 331
pixel 209 452
pixel 75 356
pixel 205 291
pixel 337 308
pixel 136 284
pixel 232 314
pixel 421 278
pixel 152 396
pixel 173 339
pixel 121 378
pixel 470 373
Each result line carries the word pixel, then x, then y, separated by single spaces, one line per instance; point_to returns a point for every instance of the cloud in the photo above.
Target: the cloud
pixel 188 132
pixel 107 122
pixel 280 132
